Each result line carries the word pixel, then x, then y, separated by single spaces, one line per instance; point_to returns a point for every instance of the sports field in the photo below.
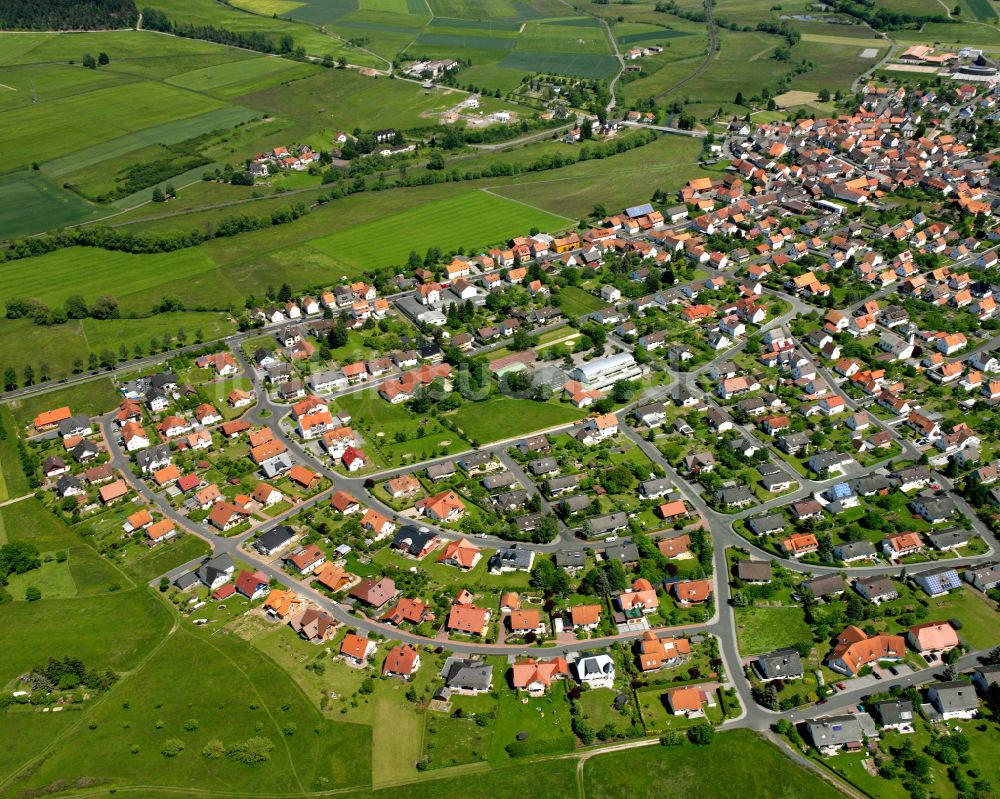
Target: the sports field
pixel 472 220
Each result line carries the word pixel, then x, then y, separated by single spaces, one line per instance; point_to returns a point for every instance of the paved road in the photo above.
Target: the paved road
pixel 269 413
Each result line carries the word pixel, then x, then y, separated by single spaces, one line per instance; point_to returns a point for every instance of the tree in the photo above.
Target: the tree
pixel 285 293
pixel 103 59
pixel 739 98
pixel 32 594
pixel 89 62
pixel 169 190
pixel 18 557
pixel 9 379
pixel 105 307
pixel 29 375
pixel 521 341
pixel 436 161
pixel 701 734
pixel 549 578
pixel 76 307
pixel 158 195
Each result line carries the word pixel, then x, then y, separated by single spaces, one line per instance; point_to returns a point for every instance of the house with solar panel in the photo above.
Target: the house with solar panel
pixel 937 582
pixel 841 497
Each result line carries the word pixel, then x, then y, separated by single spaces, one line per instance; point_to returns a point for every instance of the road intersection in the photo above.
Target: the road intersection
pixel 722 624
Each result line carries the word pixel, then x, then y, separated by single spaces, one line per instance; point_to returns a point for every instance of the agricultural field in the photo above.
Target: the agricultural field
pixel 22 190
pixel 666 164
pixel 471 220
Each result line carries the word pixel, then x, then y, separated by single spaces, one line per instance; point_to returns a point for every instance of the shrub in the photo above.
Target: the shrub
pixel 701 734
pixel 251 752
pixel 172 747
pixel 213 750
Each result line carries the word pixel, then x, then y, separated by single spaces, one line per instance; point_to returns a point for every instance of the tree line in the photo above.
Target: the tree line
pixel 156 20
pixel 107 238
pixel 884 19
pixel 60 15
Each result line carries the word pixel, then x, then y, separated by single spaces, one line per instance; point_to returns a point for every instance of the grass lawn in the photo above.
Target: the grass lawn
pixel 29 733
pixel 504 417
pixel 471 220
pixel 737 764
pixel 576 302
pixel 764 629
pixel 34 132
pixel 143 563
pixel 451 741
pixel 397 735
pixel 546 718
pixel 553 779
pixel 980 621
pixel 597 706
pixel 92 272
pixel 393 434
pixel 94 397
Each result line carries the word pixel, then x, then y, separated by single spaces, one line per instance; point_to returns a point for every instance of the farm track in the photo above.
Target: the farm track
pixel 713 48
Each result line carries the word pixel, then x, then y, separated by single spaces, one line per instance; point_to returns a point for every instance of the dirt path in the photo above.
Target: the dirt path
pixel 713 49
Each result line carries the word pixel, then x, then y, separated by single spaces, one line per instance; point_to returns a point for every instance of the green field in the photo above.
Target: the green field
pixel 504 417
pixel 315 41
pixel 86 627
pixel 93 272
pixel 382 422
pixel 737 764
pixel 227 695
pixel 13 482
pixel 51 206
pixel 580 65
pixel 667 163
pixel 53 579
pixel 576 302
pixel 471 220
pixel 67 347
pixel 235 77
pixel 344 99
pixel 761 630
pixel 93 397
pixel 34 133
